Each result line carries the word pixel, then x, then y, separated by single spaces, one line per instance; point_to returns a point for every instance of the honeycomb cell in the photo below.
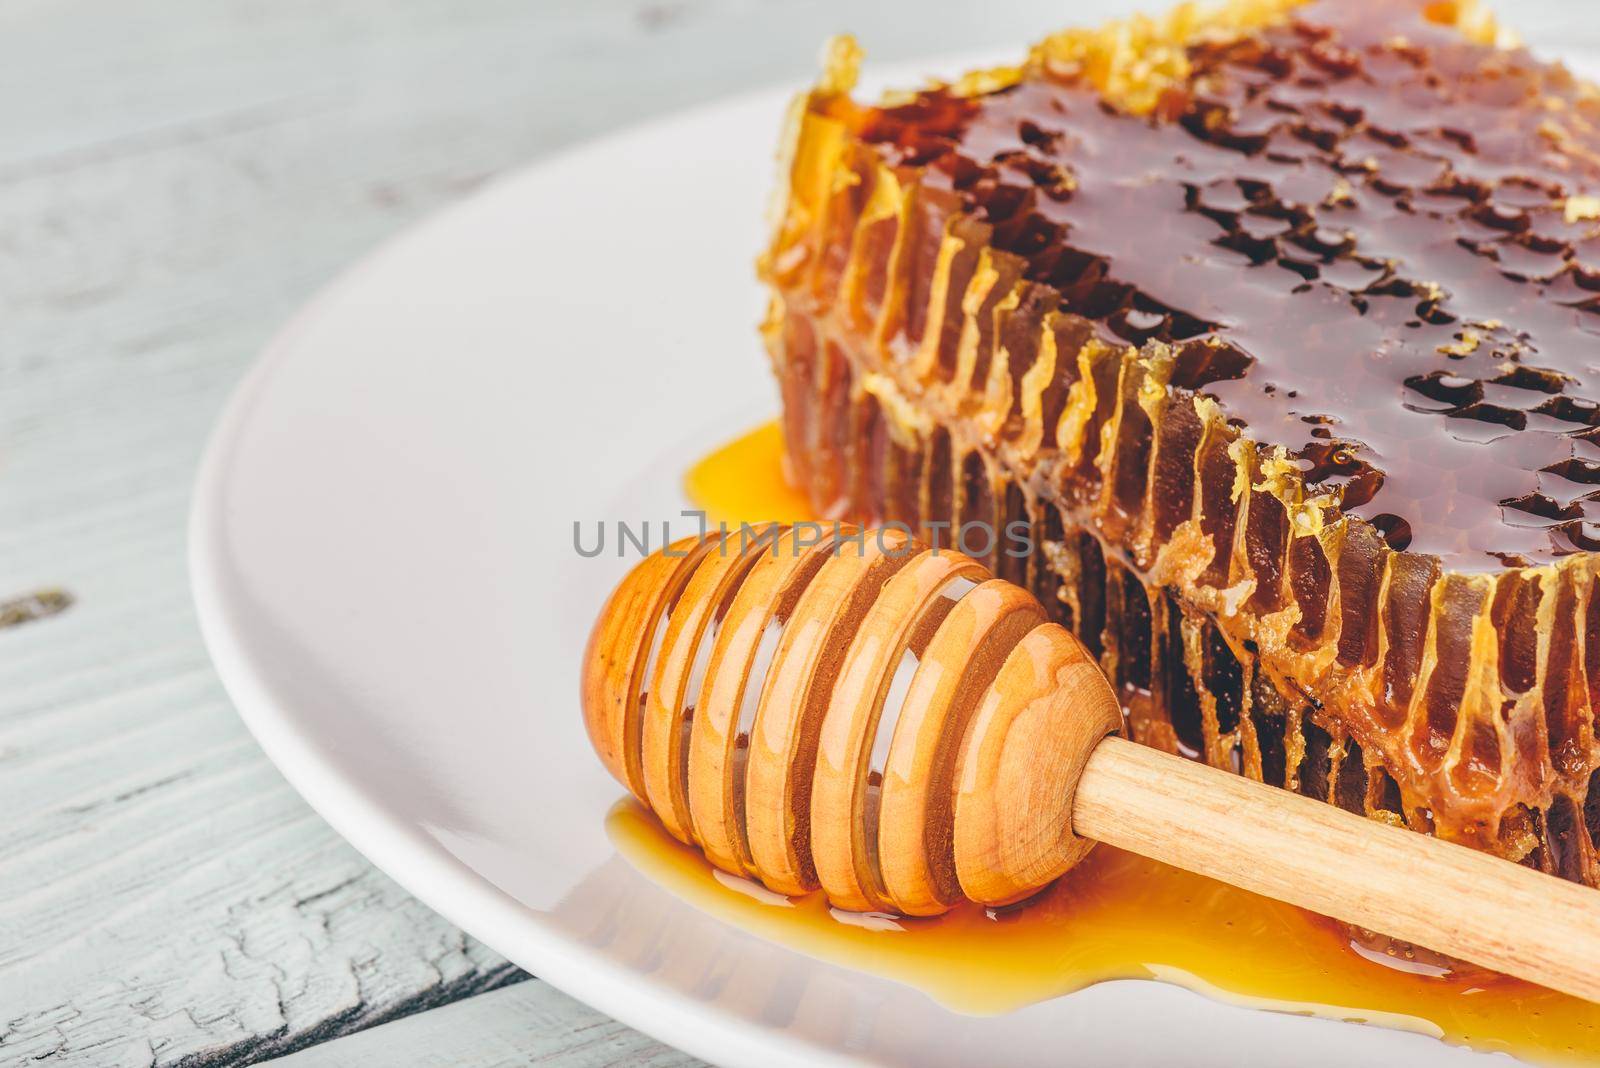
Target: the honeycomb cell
pixel 1280 349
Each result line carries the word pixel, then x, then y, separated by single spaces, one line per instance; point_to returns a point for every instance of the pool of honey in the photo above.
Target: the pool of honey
pixel 1115 916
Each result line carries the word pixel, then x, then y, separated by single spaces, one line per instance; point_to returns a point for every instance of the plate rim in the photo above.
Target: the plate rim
pixel 444 883
pixel 422 867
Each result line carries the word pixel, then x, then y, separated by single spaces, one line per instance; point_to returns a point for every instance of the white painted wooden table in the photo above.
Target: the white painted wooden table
pixel 176 176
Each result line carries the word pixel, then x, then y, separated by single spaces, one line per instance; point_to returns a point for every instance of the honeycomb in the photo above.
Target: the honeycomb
pixel 1271 326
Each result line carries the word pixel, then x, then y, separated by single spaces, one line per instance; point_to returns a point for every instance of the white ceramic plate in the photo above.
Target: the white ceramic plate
pixel 383 559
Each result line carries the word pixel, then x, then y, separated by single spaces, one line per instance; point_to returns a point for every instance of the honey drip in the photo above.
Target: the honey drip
pixel 745 481
pixel 1115 916
pixel 1276 333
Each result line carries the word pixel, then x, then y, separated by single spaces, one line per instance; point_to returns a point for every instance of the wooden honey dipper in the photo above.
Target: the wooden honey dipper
pixel 895 726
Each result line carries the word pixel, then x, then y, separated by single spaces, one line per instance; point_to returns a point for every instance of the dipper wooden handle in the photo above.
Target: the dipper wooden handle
pixel 891 724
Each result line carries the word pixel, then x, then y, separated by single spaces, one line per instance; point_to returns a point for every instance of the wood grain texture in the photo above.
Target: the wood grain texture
pixel 518 1027
pixel 890 662
pixel 1034 730
pixel 1433 893
pixel 175 178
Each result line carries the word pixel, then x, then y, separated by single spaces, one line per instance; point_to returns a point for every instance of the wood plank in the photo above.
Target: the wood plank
pixel 531 1023
pixel 176 178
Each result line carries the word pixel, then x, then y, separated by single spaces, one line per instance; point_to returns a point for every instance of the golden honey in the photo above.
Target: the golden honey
pixel 745 481
pixel 1272 323
pixel 1115 916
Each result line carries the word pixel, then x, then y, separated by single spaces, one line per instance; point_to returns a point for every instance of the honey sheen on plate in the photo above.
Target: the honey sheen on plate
pixel 1273 324
pixel 1115 916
